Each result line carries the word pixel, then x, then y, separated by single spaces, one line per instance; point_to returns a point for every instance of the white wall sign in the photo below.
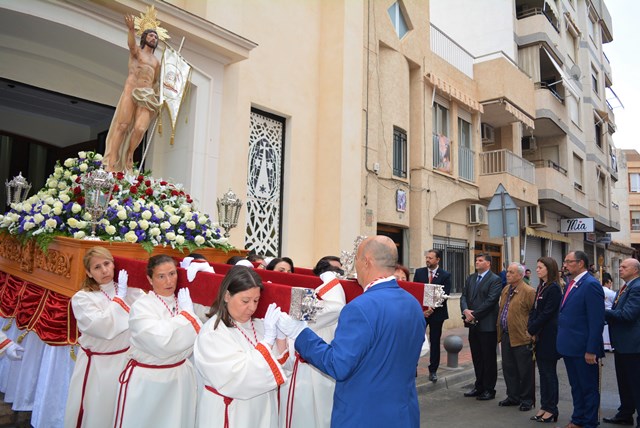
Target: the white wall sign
pixel 576 225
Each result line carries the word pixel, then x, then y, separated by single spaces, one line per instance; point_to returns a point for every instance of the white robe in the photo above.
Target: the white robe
pixel 159 397
pixel 104 328
pixel 313 395
pixel 240 370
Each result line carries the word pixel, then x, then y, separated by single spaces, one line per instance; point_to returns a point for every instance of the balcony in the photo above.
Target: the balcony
pixel 552 117
pixel 534 26
pixel 447 49
pixel 516 174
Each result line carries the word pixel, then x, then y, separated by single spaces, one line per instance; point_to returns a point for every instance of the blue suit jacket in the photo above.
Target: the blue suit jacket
pixel 624 320
pixel 581 319
pixel 373 359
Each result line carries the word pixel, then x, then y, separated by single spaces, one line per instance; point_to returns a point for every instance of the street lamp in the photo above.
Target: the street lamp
pixel 17 189
pixel 98 185
pixel 228 211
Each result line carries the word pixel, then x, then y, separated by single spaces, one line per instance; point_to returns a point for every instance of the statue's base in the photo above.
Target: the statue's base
pixel 60 269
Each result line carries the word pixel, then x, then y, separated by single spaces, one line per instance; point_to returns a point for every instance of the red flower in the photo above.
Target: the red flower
pixel 120 175
pixel 149 191
pixel 77 190
pixel 140 178
pixel 133 189
pixel 163 183
pixel 78 179
pixel 189 200
pixel 80 200
pixel 174 193
pixel 147 183
pixel 163 196
pixel 116 188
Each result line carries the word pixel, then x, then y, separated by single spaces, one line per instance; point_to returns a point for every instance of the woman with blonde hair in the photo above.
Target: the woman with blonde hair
pixel 101 309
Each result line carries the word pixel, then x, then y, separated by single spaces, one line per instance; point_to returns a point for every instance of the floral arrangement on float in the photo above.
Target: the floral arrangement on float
pixel 144 210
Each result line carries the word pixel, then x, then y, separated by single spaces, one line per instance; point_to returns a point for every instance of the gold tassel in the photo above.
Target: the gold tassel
pixel 160 123
pixel 72 352
pixel 21 337
pixel 7 326
pixel 173 134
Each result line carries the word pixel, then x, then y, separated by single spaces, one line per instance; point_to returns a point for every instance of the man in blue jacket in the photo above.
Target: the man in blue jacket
pixel 579 341
pixel 376 347
pixel 624 329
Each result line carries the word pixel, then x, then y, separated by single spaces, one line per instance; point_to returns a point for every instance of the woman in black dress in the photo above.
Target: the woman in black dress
pixel 543 328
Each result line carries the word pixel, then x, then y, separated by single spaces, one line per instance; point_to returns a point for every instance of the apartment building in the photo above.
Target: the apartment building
pixel 559 45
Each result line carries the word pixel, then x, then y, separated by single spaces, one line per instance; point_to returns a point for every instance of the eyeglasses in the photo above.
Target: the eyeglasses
pixel 569 261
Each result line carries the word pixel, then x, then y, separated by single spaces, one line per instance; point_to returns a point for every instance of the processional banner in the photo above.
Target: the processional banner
pixel 176 75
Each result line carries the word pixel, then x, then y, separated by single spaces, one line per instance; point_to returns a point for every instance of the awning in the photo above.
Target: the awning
pixel 547 235
pixel 571 25
pixel 446 88
pixel 518 114
pixel 566 80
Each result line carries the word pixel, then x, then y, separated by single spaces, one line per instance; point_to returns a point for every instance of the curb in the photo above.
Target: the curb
pixel 450 378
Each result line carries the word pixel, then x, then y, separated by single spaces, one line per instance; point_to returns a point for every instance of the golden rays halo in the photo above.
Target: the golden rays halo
pixel 148 21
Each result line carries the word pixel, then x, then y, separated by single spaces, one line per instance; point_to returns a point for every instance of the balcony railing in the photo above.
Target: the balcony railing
pixel 506 162
pixel 447 49
pixel 525 13
pixel 465 163
pixel 546 163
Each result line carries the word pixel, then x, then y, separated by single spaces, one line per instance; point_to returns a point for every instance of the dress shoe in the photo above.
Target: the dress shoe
pixel 433 377
pixel 486 396
pixel 552 418
pixel 525 407
pixel 508 402
pixel 617 420
pixel 473 393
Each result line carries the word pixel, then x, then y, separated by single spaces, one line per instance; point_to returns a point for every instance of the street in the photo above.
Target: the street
pixel 447 407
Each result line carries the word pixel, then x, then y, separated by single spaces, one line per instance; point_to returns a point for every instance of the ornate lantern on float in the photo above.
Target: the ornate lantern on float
pixel 98 185
pixel 228 211
pixel 17 189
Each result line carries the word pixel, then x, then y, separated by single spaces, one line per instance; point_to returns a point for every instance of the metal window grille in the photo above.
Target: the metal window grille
pixel 399 153
pixel 455 260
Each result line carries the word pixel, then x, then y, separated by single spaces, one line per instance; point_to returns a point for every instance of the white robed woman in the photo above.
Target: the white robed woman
pixel 101 309
pixel 158 385
pixel 236 356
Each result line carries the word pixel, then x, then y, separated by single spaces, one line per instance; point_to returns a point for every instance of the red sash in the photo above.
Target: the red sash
pixel 227 402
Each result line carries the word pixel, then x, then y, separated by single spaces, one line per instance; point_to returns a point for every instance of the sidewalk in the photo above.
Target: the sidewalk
pixel 448 376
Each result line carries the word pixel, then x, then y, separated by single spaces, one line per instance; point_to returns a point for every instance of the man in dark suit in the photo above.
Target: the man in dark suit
pixel 479 306
pixel 580 325
pixel 435 317
pixel 624 329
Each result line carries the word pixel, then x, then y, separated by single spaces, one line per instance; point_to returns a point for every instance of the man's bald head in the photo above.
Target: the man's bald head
pixel 377 256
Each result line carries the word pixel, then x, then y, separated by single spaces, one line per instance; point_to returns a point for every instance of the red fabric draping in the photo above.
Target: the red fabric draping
pixel 10 290
pixel 29 304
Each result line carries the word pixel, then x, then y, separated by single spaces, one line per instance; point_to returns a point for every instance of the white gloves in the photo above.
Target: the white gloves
pixel 123 278
pixel 14 352
pixel 289 326
pixel 270 323
pixel 197 266
pixel 184 301
pixel 328 276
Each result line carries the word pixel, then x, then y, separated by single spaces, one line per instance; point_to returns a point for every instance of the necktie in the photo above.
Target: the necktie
pixel 622 290
pixel 568 291
pixel 430 276
pixel 478 279
pixel 505 310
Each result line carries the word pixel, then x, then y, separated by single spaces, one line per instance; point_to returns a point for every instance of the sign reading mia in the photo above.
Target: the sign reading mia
pixel 576 225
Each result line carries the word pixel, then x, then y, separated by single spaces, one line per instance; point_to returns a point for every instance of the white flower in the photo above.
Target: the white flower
pixel 174 219
pixel 51 223
pixel 57 204
pixel 83 167
pixel 69 162
pixel 202 219
pixel 28 225
pixel 86 216
pixel 133 224
pixel 67 174
pixel 144 224
pixel 136 207
pixel 73 178
pixel 199 240
pixel 179 239
pixel 122 214
pixel 208 233
pixel 82 224
pixel 58 171
pixel 110 229
pixel 171 236
pixel 191 224
pixel 72 222
pixel 49 200
pixel 62 185
pixel 169 209
pixel 76 208
pixel 46 209
pixel 146 214
pixel 165 225
pixel 185 208
pixel 97 157
pixel 113 203
pixel 130 236
pixel 79 234
pixel 57 210
pixel 155 231
pixel 64 198
pixel 26 206
pixel 38 218
pixel 82 155
pixel 160 214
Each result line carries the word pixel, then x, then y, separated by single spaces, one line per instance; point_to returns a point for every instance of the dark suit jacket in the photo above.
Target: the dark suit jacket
pixel 543 321
pixel 482 299
pixel 581 319
pixel 624 320
pixel 441 277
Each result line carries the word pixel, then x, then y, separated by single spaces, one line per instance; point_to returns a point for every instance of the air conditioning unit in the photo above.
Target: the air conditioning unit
pixel 536 216
pixel 477 214
pixel 529 144
pixel 488 134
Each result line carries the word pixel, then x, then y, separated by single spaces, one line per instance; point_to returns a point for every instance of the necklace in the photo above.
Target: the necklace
pixel 173 312
pixel 107 295
pixel 241 330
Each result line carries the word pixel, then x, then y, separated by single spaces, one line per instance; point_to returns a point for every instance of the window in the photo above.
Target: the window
pixel 399 152
pixel 440 120
pixel 398 19
pixel 635 221
pixel 441 143
pixel 595 80
pixel 602 187
pixel 577 172
pixel 634 182
pixel 598 133
pixel 464 133
pixel 465 154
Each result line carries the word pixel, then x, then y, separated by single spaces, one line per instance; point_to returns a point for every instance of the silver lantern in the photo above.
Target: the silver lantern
pixel 98 186
pixel 228 211
pixel 17 189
